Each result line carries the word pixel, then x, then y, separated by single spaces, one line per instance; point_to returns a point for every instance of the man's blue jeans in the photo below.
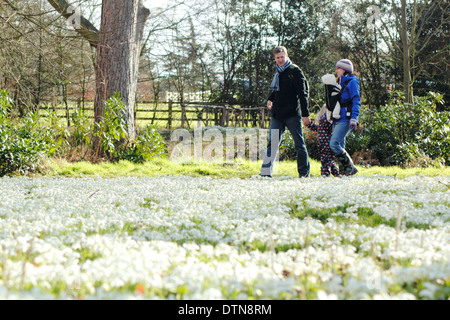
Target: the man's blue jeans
pixel 277 128
pixel 337 141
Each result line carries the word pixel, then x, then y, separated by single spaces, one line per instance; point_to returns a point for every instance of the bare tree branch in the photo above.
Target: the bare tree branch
pixel 87 29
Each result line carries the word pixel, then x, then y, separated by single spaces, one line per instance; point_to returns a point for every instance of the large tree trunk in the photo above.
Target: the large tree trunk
pixel 118 51
pixel 118 48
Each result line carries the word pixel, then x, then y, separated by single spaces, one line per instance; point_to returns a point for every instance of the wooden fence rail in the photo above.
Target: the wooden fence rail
pixel 190 113
pixel 224 115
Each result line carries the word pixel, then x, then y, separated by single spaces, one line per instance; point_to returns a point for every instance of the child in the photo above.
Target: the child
pixel 332 97
pixel 324 129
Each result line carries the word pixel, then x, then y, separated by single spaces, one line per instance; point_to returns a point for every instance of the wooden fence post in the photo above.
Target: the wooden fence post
pixel 184 118
pixel 262 120
pixel 216 117
pixel 170 114
pixel 224 116
pixel 183 113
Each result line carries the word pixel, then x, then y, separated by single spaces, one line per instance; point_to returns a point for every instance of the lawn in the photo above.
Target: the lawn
pixel 239 168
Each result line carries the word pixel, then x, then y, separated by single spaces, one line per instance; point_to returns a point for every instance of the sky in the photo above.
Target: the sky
pixel 150 4
pixel 155 3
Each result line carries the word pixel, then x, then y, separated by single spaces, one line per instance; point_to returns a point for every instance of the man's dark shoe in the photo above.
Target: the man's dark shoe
pixel 305 176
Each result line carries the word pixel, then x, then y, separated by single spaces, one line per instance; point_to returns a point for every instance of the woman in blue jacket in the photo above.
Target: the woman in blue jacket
pixel 350 105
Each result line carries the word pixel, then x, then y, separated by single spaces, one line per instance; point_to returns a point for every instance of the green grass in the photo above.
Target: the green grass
pixel 366 217
pixel 237 169
pixel 154 168
pixel 405 172
pixel 88 254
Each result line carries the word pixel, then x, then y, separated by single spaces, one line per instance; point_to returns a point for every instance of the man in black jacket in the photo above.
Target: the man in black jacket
pixel 289 105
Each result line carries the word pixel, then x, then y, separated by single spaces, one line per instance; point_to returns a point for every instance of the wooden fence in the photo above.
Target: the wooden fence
pixel 217 115
pixel 187 115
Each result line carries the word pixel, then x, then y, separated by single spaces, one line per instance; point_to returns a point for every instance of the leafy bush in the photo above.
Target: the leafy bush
pixel 5 105
pixel 405 134
pixel 111 130
pixel 81 128
pixel 413 135
pixel 114 140
pixel 287 145
pixel 147 145
pixel 312 144
pixel 23 142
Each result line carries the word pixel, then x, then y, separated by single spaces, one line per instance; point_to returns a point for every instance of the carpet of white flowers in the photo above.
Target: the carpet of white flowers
pixel 366 237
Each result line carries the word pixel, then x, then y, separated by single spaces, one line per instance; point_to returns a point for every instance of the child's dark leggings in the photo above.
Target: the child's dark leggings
pixel 328 164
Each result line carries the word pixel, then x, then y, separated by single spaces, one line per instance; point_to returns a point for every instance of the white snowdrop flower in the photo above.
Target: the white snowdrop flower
pixel 322 295
pixel 195 211
pixel 400 296
pixel 213 294
pixel 429 290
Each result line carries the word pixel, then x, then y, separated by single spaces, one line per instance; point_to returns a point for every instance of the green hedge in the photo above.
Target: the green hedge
pixel 23 142
pixel 405 134
pixel 397 134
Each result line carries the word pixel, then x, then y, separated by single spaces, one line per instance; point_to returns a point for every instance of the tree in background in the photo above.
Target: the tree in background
pixel 222 46
pixel 256 68
pixel 39 57
pixel 230 36
pixel 411 33
pixel 431 59
pixel 118 45
pixel 306 29
pixel 356 37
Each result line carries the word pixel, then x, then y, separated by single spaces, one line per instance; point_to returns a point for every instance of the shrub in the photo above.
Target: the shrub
pixel 81 129
pixel 111 130
pixel 5 105
pixel 405 134
pixel 148 144
pixel 114 140
pixel 312 144
pixel 287 145
pixel 395 134
pixel 23 142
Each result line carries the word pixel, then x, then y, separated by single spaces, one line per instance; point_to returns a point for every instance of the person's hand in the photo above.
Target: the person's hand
pixel 269 105
pixel 353 124
pixel 306 121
